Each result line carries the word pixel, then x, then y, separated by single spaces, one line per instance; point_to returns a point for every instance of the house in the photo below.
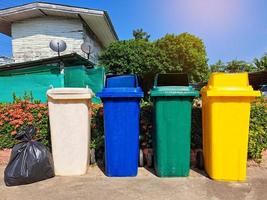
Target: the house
pixel 36 67
pixel 32 27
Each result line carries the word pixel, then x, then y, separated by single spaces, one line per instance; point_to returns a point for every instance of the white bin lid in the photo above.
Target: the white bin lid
pixel 70 93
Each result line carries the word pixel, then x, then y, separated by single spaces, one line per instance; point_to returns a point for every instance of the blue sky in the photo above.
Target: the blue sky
pixel 230 29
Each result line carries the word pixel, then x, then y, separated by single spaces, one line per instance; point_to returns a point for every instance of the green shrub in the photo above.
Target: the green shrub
pixel 97 127
pixel 146 125
pixel 258 129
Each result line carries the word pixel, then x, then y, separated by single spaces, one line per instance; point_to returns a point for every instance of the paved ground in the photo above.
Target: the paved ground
pixel 95 185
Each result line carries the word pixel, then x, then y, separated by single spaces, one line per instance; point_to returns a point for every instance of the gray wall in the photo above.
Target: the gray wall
pixel 30 38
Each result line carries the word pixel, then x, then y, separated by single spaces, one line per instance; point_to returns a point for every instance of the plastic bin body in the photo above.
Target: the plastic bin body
pixel 121 126
pixel 172 127
pixel 69 116
pixel 225 117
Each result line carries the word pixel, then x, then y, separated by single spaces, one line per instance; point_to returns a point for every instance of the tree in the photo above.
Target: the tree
pixel 186 53
pixel 140 34
pixel 133 56
pixel 181 53
pixel 219 66
pixel 233 66
pixel 239 66
pixel 261 64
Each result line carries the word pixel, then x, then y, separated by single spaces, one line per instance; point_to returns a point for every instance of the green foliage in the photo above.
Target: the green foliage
pixel 219 66
pixel 258 129
pixel 140 34
pixel 240 66
pixel 261 64
pixel 26 97
pixel 138 56
pixel 186 53
pixel 133 56
pixel 97 127
pixel 179 53
pixel 146 125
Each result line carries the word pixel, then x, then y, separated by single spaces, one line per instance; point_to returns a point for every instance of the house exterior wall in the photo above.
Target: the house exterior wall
pixel 91 39
pixel 30 38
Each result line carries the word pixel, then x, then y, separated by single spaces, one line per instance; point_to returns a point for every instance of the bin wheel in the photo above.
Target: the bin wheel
pixel 141 158
pixel 200 160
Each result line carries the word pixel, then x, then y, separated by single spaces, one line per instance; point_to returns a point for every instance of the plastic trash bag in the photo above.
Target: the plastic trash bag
pixel 30 161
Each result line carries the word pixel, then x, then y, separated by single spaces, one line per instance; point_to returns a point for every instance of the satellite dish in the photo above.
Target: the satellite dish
pixel 58 45
pixel 86 48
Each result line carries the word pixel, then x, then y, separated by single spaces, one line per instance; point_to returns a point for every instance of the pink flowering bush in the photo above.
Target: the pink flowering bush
pixel 15 116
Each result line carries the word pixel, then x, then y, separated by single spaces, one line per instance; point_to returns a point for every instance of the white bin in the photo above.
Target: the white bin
pixel 70 116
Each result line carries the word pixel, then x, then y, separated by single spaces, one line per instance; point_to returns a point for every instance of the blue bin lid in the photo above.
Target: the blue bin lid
pixel 120 81
pixel 121 86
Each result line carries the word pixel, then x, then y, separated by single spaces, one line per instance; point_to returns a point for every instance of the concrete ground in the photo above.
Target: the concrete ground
pixel 95 185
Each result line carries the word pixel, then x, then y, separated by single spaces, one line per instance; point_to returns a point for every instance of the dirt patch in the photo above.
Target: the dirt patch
pixel 4 156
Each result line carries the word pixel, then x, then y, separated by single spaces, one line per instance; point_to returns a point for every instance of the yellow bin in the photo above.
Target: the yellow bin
pixel 225 115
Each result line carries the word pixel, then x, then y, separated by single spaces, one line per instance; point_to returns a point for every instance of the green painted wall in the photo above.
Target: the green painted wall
pixel 94 79
pixel 37 80
pixel 79 76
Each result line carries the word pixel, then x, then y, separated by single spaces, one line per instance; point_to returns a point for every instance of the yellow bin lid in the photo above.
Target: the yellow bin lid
pixel 229 84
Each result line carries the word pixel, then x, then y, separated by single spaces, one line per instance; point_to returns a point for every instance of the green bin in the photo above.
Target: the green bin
pixel 172 98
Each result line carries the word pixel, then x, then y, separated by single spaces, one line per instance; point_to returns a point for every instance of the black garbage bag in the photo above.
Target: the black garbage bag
pixel 30 160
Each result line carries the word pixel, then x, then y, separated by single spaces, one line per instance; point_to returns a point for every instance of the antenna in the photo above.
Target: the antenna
pixel 58 45
pixel 87 48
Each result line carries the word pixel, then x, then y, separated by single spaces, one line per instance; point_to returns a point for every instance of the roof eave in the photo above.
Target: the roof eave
pixel 111 25
pixel 73 57
pixel 5 15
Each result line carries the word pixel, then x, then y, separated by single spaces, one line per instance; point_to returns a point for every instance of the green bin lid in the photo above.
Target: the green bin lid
pixel 172 84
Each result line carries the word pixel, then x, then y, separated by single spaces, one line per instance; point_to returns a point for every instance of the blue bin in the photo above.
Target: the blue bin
pixel 121 98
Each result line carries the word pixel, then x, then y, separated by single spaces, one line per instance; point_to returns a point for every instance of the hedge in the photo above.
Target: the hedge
pixel 258 129
pixel 15 116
